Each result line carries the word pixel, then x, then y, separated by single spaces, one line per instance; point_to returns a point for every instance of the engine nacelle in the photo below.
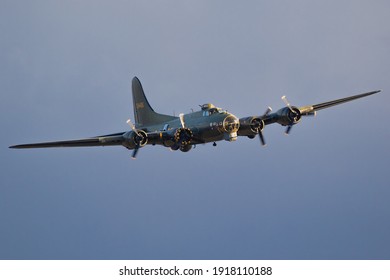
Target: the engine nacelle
pixel 251 125
pixel 287 116
pixel 132 139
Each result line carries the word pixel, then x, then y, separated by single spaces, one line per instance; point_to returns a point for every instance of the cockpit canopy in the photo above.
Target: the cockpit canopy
pixel 209 109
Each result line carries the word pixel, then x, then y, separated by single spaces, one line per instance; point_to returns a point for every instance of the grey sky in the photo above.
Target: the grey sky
pixel 320 193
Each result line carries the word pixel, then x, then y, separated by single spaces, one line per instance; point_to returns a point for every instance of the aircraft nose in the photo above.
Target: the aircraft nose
pixel 231 123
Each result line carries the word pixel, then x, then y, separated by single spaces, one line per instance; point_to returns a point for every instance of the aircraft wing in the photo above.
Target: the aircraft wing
pixel 288 116
pixel 312 108
pixel 104 140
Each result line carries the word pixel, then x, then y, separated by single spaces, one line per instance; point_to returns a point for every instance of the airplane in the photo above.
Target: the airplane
pixel 209 124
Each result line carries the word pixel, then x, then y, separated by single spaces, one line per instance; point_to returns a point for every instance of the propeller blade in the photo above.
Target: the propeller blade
pixel 286 102
pixel 269 110
pixel 261 137
pixel 130 123
pixel 288 129
pixel 135 151
pixel 181 116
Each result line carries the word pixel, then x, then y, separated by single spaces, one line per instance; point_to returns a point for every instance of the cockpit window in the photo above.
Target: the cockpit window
pixel 210 109
pixel 213 111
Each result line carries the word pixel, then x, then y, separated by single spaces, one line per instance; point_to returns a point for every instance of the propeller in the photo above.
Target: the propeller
pixel 259 125
pixel 139 138
pixel 293 113
pixel 261 136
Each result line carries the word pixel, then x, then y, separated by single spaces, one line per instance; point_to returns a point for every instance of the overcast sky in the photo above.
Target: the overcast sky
pixel 320 193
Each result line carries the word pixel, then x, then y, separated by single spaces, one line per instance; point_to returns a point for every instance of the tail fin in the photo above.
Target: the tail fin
pixel 143 112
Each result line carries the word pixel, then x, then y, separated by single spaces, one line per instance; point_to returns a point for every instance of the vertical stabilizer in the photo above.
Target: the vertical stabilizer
pixel 143 112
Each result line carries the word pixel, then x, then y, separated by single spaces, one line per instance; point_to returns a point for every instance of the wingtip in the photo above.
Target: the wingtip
pixel 375 91
pixel 15 147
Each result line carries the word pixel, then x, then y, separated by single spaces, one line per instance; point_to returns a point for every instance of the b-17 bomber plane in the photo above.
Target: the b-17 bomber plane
pixel 209 125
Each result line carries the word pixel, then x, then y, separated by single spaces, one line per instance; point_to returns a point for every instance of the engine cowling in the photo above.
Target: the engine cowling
pixel 183 136
pixel 287 116
pixel 133 139
pixel 256 124
pixel 251 125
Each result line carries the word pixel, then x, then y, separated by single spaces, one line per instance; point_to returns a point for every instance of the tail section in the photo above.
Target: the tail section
pixel 143 112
